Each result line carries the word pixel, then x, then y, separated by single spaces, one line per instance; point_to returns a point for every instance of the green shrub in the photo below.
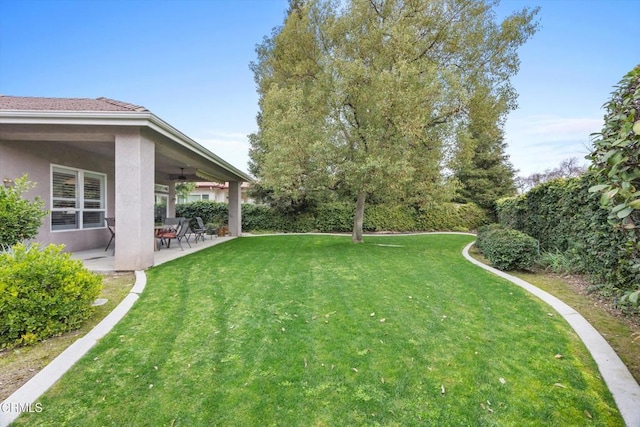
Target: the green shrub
pixel 509 249
pixel 615 160
pixel 43 292
pixel 389 218
pixel 564 216
pixel 512 211
pixel 19 218
pixel 450 217
pixel 485 232
pixel 264 218
pixel 303 223
pixel 209 211
pixel 335 217
pixel 472 216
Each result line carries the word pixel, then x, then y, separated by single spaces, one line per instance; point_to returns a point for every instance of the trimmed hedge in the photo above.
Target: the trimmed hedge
pixel 43 292
pixel 209 211
pixel 388 218
pixel 338 217
pixel 451 217
pixel 334 217
pixel 564 216
pixel 506 248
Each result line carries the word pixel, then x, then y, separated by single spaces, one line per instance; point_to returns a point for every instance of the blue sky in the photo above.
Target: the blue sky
pixel 188 62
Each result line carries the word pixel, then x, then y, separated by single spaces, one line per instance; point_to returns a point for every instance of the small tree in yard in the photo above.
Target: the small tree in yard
pixel 183 189
pixel 20 218
pixel 616 164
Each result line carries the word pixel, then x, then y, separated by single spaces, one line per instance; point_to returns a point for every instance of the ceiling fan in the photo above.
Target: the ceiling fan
pixel 181 177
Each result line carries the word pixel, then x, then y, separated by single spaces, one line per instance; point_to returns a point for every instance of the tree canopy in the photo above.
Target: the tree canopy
pixel 363 99
pixel 481 165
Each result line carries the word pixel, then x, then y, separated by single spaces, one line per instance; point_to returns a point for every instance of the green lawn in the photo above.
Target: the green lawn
pixel 19 365
pixel 314 331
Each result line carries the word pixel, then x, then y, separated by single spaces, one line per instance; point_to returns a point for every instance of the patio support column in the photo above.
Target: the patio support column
pixel 135 170
pixel 171 211
pixel 235 212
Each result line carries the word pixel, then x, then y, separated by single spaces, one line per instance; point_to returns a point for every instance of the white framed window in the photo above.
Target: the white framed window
pixel 194 197
pixel 78 199
pixel 160 208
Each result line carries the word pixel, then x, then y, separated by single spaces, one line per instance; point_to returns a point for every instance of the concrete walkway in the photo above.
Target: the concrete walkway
pixel 623 387
pixel 102 261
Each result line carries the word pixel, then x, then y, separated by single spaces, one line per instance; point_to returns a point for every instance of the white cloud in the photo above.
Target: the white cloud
pixel 232 147
pixel 536 143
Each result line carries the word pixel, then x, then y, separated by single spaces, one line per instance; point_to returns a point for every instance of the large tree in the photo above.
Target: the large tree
pixel 362 98
pixel 481 166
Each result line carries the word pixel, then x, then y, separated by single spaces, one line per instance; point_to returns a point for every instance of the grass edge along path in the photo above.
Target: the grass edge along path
pixel 615 373
pixel 313 330
pixel 621 332
pixel 19 365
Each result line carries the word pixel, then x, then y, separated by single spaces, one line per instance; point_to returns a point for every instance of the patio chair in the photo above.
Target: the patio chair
pixel 199 229
pixel 173 223
pixel 111 226
pixel 181 233
pixel 169 224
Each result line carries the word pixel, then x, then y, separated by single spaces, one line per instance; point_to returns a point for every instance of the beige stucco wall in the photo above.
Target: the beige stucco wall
pixel 221 194
pixel 134 201
pixel 35 159
pixel 215 194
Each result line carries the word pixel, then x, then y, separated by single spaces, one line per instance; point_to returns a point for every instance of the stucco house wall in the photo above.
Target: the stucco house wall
pixel 216 192
pixel 35 159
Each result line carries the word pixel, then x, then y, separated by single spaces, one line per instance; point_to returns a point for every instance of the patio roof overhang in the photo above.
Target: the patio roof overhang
pixel 175 154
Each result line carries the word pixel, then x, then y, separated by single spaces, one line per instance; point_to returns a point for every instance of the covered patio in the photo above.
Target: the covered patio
pixel 101 158
pixel 101 261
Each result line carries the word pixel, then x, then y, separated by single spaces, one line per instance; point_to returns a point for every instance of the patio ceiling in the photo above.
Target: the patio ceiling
pixel 95 133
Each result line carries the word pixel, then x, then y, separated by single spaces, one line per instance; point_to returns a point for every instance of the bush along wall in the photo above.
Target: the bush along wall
pixel 450 217
pixel 43 293
pixel 564 216
pixel 338 217
pixel 210 212
pixel 506 248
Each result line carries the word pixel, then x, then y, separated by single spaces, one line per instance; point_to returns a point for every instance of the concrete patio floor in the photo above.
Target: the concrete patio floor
pixel 101 261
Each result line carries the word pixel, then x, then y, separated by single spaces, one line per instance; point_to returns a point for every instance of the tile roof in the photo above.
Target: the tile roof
pixel 66 104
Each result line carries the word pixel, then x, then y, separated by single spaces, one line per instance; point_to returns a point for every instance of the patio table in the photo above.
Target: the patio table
pixel 156 232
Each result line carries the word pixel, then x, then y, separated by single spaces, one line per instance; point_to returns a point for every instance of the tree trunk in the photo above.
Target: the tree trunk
pixel 356 237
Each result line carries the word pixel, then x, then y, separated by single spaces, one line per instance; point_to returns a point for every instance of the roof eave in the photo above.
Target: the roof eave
pixel 166 129
pixel 117 118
